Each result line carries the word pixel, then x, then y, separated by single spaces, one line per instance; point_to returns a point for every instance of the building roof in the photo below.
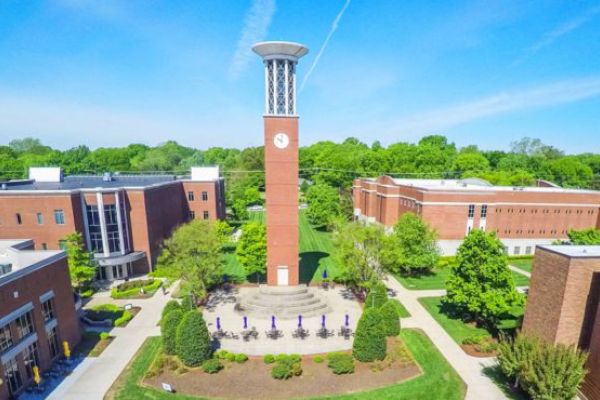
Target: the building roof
pixel 574 251
pixel 277 49
pixel 16 260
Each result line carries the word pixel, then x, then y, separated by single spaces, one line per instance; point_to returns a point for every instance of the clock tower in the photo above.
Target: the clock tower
pixel 281 160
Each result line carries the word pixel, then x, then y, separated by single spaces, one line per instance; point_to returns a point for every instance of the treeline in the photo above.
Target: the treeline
pixel 335 164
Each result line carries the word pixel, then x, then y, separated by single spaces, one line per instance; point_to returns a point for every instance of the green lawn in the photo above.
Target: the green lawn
pixel 402 311
pixel 437 280
pixel 455 327
pixel 526 264
pixel 438 381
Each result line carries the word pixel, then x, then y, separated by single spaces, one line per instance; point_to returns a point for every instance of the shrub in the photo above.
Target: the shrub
pixel 168 330
pixel 369 340
pixel 340 363
pixel 377 296
pixel 221 354
pixel 487 346
pixel 296 369
pixel 104 335
pixel 281 371
pixel 187 304
pixel 193 340
pixel 132 288
pixel 212 366
pixel 241 358
pixel 124 319
pixel 269 358
pixel 230 356
pixel 389 319
pixel 170 306
pixel 473 339
pixel 318 359
pixel 103 312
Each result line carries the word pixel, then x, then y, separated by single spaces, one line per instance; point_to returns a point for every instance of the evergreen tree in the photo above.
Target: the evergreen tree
pixel 390 319
pixel 193 341
pixel 377 296
pixel 369 339
pixel 251 250
pixel 81 266
pixel 168 330
pixel 170 306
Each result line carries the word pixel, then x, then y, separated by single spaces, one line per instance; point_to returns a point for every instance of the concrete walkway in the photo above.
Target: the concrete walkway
pixel 469 368
pixel 92 378
pixel 519 271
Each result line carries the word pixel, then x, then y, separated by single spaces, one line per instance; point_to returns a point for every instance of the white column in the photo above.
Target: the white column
pixel 287 93
pixel 267 94
pixel 294 94
pixel 119 221
pixel 100 202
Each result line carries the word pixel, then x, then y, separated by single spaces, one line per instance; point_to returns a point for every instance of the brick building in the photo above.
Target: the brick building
pixel 37 312
pixel 563 303
pixel 124 219
pixel 522 217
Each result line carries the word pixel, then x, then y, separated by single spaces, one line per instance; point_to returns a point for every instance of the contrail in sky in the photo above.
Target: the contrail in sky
pixel 334 27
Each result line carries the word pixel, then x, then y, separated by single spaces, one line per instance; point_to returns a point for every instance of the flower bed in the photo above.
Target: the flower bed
pixel 133 289
pixel 117 316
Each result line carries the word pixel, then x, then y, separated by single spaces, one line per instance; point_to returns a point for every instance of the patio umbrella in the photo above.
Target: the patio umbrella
pixel 218 323
pixel 347 320
pixel 324 274
pixel 299 321
pixel 272 322
pixel 323 321
pixel 245 322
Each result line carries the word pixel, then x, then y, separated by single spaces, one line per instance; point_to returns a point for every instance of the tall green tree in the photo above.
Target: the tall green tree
pixel 481 286
pixel 323 205
pixel 193 341
pixel 369 340
pixel 589 236
pixel 168 330
pixel 81 266
pixel 251 249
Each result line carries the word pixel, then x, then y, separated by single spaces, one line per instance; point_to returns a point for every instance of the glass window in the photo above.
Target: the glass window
pixel 96 242
pixel 19 220
pixel 471 210
pixel 59 217
pixel 484 211
pixel 192 214
pixel 110 214
pixel 44 246
pixel 13 376
pixel 517 250
pixel 92 215
pixel 24 324
pixel 204 196
pixel 48 310
pixel 40 218
pixel 191 196
pixel 31 359
pixel 53 342
pixel 5 338
pixel 528 250
pixel 114 245
pixel 205 215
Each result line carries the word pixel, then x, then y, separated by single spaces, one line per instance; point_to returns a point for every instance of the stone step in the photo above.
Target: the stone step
pixel 282 299
pixel 282 290
pixel 287 303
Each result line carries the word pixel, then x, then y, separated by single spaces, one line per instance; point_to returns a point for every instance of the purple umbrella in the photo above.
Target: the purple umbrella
pixel 324 274
pixel 347 320
pixel 218 323
pixel 299 321
pixel 245 322
pixel 272 322
pixel 323 321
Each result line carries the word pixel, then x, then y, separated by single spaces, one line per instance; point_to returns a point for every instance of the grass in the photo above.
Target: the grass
pixel 439 381
pixel 526 264
pixel 402 311
pixel 456 328
pixel 437 279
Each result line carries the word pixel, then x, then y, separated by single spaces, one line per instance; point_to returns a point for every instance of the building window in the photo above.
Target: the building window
pixel 19 220
pixel 48 310
pixel 191 196
pixel 192 214
pixel 528 250
pixel 44 246
pixel 53 343
pixel 59 217
pixel 40 218
pixel 204 196
pixel 13 376
pixel 517 250
pixel 110 214
pixel 471 210
pixel 205 215
pixel 96 242
pixel 5 338
pixel 31 359
pixel 62 244
pixel 484 211
pixel 114 245
pixel 24 324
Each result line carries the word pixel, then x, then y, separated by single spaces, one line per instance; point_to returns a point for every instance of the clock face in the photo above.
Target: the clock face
pixel 281 140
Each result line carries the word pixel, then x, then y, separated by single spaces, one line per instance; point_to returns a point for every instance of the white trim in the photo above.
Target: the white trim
pixel 119 222
pixel 19 347
pixel 86 223
pixel 11 316
pixel 103 231
pixel 47 296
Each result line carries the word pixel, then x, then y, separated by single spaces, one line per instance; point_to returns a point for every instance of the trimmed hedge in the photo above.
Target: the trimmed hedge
pixel 369 339
pixel 132 288
pixel 168 330
pixel 170 306
pixel 390 321
pixel 340 363
pixel 123 319
pixel 193 340
pixel 377 296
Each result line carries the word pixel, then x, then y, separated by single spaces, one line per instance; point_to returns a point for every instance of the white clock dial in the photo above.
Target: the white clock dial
pixel 281 140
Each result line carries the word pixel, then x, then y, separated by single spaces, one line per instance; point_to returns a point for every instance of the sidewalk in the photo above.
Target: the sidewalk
pixel 469 368
pixel 92 379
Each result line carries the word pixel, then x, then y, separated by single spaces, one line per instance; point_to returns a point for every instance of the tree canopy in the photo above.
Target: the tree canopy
pixel 81 266
pixel 251 249
pixel 323 205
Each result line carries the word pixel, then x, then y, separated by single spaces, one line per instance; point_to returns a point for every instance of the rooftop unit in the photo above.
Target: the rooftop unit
pixel 46 174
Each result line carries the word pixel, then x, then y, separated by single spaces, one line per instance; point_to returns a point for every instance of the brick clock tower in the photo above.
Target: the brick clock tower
pixel 281 160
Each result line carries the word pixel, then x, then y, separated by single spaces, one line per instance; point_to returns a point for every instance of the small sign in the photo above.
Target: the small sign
pixel 167 388
pixel 128 306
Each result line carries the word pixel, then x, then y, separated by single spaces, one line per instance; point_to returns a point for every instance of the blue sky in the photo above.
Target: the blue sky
pixel 108 73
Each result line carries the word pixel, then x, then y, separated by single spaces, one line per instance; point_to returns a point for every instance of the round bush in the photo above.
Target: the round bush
pixel 168 330
pixel 390 319
pixel 221 354
pixel 281 371
pixel 193 339
pixel 241 358
pixel 377 296
pixel 212 366
pixel 230 357
pixel 170 306
pixel 269 358
pixel 318 359
pixel 104 335
pixel 369 339
pixel 296 369
pixel 340 363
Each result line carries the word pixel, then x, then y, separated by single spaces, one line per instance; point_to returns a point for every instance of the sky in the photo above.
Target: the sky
pixel 113 72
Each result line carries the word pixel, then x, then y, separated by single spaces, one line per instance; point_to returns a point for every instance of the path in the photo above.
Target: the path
pixel 94 377
pixel 469 368
pixel 519 271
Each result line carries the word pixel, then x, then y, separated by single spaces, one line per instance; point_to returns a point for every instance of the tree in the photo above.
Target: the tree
pixel 359 254
pixel 323 204
pixel 81 266
pixel 170 306
pixel 193 253
pixel 251 250
pixel 193 341
pixel 411 248
pixel 168 330
pixel 481 286
pixel 377 296
pixel 589 236
pixel 470 161
pixel 252 196
pixel 514 353
pixel 369 339
pixel 569 172
pixel 390 319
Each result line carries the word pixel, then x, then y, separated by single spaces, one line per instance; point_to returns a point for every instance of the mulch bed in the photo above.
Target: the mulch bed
pixel 472 350
pixel 252 380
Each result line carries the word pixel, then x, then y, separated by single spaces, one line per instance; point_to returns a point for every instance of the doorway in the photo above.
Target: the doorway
pixel 282 276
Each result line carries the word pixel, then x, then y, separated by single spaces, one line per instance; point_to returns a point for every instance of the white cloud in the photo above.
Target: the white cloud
pixel 334 26
pixel 556 93
pixel 256 26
